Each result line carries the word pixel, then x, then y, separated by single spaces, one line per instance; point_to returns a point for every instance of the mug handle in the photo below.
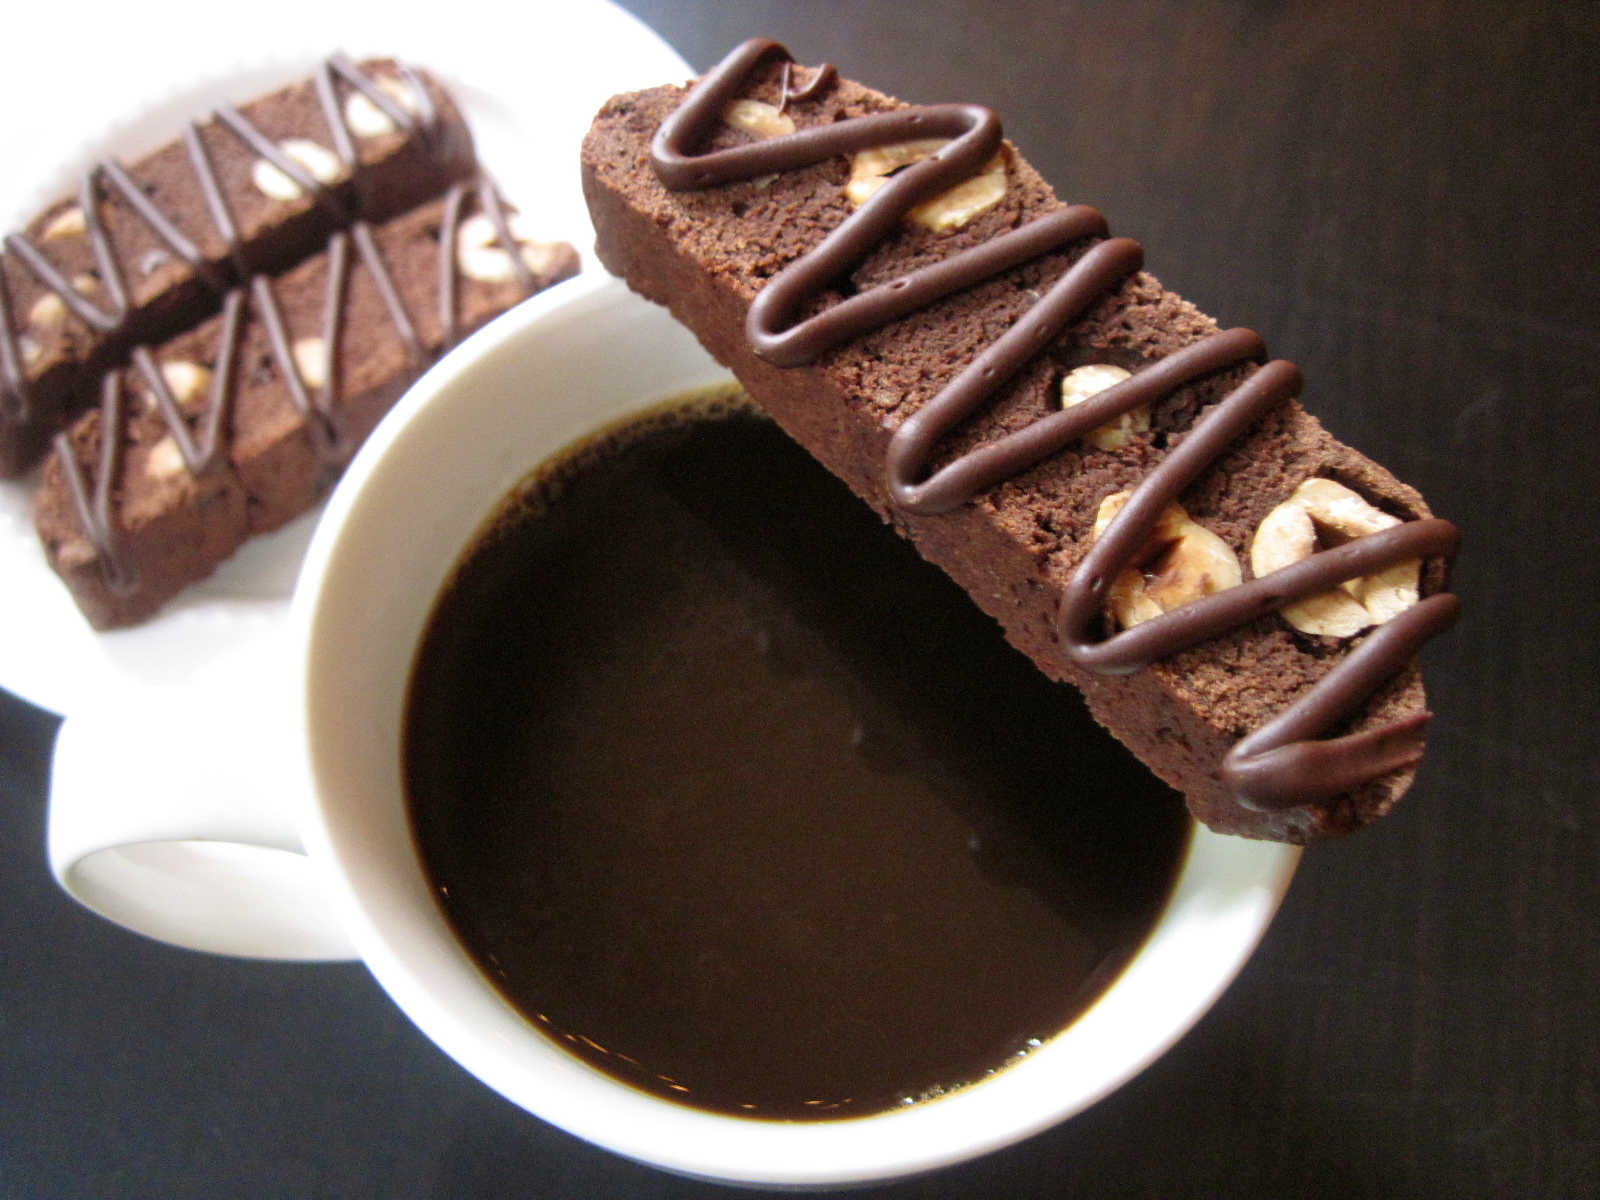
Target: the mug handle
pixel 172 813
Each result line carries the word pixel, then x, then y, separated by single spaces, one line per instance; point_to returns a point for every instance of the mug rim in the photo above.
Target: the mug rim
pixel 1227 889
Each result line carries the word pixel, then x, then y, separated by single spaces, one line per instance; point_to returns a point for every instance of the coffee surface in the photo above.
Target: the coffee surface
pixel 744 803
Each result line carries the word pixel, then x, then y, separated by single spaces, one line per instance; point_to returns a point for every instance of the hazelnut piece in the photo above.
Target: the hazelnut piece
pixel 187 381
pixel 480 255
pixel 1080 383
pixel 365 119
pixel 164 462
pixel 47 313
pixel 757 118
pixel 1181 561
pixel 320 163
pixel 871 169
pixel 69 222
pixel 311 360
pixel 1319 515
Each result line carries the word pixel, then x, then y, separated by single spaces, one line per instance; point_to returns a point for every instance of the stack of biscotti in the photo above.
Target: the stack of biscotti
pixel 143 251
pixel 237 426
pixel 708 250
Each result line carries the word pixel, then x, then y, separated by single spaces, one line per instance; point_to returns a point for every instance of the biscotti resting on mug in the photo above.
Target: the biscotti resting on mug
pixel 141 252
pixel 1136 495
pixel 243 423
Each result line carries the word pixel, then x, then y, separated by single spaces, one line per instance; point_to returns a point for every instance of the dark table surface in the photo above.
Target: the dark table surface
pixel 1402 196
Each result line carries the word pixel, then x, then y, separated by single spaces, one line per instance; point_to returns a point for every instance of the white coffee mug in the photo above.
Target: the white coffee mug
pixel 266 817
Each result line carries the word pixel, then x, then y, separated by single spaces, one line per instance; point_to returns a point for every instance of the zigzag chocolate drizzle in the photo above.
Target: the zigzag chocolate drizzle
pixel 427 115
pixel 491 203
pixel 109 319
pixel 1288 762
pixel 94 504
pixel 207 455
pixel 15 395
pixel 449 224
pixel 209 452
pixel 216 202
pixel 264 147
pixel 110 271
pixel 820 79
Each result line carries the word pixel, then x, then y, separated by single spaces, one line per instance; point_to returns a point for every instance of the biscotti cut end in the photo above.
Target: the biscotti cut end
pixel 708 253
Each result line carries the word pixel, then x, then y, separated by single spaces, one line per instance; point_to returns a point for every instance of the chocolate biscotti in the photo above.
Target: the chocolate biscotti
pixel 143 251
pixel 1132 492
pixel 241 424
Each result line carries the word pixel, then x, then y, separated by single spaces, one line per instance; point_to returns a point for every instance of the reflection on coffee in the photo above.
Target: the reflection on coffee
pixel 743 803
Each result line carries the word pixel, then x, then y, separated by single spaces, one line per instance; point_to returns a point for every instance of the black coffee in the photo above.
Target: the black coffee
pixel 742 802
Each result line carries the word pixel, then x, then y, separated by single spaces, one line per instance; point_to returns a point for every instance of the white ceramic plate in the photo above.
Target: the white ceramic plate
pixel 529 77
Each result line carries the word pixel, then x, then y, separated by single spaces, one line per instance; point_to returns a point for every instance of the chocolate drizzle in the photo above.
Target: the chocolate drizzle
pixel 94 503
pixel 449 224
pixel 264 147
pixel 205 442
pixel 158 221
pixel 1291 760
pixel 427 118
pixel 493 206
pixel 820 79
pixel 216 203
pixel 207 455
pixel 15 394
pixel 112 316
pixel 101 320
